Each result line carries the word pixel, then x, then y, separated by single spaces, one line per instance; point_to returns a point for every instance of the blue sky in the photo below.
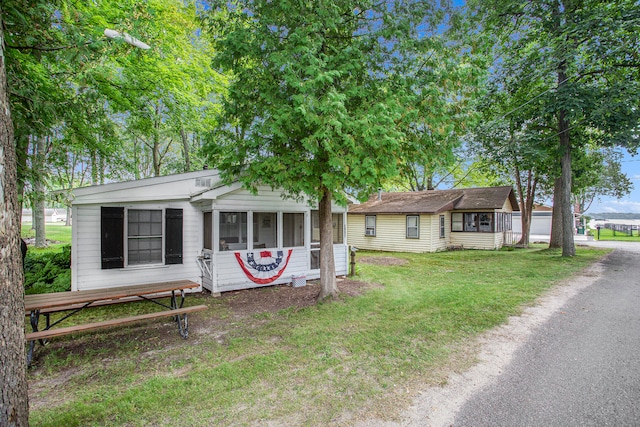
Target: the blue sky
pixel 630 203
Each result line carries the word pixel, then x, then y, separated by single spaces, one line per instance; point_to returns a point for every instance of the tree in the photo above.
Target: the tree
pixel 584 54
pixel 316 104
pixel 14 406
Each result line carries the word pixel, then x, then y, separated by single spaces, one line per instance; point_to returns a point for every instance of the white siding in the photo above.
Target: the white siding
pixel 86 258
pixel 226 273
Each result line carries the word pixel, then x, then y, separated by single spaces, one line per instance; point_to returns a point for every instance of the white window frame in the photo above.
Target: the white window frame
pixel 369 229
pixel 415 227
pixel 128 238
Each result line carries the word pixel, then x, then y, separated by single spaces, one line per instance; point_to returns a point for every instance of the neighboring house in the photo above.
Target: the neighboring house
pixel 540 221
pixel 50 215
pixel 191 226
pixel 433 220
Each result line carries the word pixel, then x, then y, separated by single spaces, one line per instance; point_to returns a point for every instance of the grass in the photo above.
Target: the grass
pixel 58 233
pixel 606 234
pixel 315 366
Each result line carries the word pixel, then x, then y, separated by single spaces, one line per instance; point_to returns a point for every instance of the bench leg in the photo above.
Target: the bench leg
pixel 32 344
pixel 34 318
pixel 183 325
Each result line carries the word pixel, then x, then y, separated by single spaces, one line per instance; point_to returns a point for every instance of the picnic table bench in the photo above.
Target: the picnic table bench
pixel 76 301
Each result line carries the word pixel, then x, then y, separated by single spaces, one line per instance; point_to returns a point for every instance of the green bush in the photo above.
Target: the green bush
pixel 46 272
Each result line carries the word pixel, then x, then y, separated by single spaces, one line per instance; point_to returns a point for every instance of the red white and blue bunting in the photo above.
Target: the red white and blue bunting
pixel 266 268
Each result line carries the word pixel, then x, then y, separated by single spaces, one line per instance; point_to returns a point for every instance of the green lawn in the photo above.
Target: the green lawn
pixel 314 366
pixel 56 232
pixel 606 234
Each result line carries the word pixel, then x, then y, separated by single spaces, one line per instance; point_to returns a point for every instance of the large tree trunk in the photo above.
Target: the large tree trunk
pixel 556 217
pixel 568 245
pixel 14 405
pixel 328 285
pixel 527 197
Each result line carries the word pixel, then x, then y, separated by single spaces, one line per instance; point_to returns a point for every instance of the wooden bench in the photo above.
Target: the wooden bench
pixel 50 333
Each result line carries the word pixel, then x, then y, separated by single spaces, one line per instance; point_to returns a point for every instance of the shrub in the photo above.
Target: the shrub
pixel 49 271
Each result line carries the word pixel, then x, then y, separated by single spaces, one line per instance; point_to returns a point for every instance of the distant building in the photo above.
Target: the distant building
pixel 540 221
pixel 51 215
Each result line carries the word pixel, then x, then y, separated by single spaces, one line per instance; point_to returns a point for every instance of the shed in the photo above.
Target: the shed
pixel 192 226
pixel 433 220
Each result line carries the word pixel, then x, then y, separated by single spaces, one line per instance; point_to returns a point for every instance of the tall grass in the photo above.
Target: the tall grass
pixel 320 365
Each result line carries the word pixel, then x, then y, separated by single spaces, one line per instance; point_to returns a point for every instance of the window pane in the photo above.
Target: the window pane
pixel 208 227
pixel 315 259
pixel 470 221
pixel 441 226
pixel 265 230
pixel 338 229
pixel 144 245
pixel 412 227
pixel 233 230
pixel 145 250
pixel 370 226
pixel 456 221
pixel 315 227
pixel 292 229
pixel 485 221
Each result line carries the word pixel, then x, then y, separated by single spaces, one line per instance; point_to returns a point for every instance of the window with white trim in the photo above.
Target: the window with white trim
pixel 483 222
pixel 413 227
pixel 370 225
pixel 442 226
pixel 152 236
pixel 144 236
pixel 232 231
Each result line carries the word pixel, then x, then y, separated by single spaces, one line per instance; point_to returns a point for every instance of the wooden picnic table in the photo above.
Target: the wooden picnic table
pixel 76 301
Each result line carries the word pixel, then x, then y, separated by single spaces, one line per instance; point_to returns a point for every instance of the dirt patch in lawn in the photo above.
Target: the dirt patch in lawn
pixel 382 260
pixel 271 299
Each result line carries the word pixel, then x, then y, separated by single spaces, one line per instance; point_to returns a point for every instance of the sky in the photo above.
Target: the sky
pixel 628 204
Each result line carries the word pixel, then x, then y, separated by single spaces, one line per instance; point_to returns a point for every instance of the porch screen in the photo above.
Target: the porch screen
pixel 292 229
pixel 232 231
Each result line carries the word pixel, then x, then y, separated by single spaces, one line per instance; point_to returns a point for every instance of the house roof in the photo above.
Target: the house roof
pixel 182 186
pixel 436 201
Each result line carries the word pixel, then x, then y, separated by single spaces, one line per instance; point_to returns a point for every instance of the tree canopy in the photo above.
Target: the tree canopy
pixel 331 97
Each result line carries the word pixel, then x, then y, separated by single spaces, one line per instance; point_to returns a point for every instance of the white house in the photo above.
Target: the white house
pixel 191 226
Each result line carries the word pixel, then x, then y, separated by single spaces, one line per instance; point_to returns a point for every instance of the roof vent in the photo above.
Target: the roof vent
pixel 203 182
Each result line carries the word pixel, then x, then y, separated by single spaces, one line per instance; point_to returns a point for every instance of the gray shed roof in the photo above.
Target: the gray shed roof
pixel 436 201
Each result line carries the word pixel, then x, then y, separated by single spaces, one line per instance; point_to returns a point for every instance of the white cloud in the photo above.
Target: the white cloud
pixel 620 206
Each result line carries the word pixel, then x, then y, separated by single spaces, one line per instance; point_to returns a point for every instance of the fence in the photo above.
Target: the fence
pixel 622 229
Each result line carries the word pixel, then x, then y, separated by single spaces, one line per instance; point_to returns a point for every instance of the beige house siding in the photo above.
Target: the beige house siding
pixel 391 233
pixel 475 240
pixel 479 240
